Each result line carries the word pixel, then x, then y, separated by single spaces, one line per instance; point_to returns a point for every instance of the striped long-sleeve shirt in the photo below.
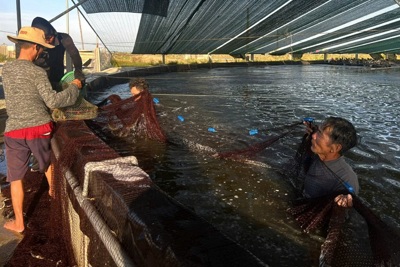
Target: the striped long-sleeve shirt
pixel 29 95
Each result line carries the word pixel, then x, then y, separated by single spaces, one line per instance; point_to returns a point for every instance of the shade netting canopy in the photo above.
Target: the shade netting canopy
pixel 239 27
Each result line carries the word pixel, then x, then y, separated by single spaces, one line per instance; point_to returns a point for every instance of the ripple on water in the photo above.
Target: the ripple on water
pixel 267 97
pixel 393 182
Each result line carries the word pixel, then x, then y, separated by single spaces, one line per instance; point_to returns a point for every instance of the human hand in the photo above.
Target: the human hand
pixel 310 126
pixel 83 82
pixel 345 201
pixel 78 74
pixel 78 83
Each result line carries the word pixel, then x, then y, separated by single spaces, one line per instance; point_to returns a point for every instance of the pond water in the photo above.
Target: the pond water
pixel 247 201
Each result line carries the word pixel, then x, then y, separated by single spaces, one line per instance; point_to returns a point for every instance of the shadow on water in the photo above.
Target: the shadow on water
pixel 247 201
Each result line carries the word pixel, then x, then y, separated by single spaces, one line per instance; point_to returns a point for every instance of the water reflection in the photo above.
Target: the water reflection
pixel 247 200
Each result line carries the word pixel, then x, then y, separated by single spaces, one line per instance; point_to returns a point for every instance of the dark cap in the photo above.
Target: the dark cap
pixel 44 25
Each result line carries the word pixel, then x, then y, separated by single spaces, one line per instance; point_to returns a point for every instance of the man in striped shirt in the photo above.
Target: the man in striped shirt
pixel 29 98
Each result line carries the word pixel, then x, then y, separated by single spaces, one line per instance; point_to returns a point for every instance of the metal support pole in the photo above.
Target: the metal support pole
pixel 68 10
pixel 18 5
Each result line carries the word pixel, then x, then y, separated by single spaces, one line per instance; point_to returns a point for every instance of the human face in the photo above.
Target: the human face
pixel 135 91
pixel 321 144
pixel 50 39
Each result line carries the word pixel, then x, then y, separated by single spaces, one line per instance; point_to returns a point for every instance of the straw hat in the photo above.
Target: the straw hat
pixel 30 34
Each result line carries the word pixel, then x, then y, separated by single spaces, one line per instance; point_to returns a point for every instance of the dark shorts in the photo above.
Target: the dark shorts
pixel 18 152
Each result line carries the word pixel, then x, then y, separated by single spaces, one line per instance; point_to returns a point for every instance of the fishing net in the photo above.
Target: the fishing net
pixel 155 231
pixel 76 146
pixel 354 236
pixel 110 213
pixel 256 148
pixel 131 117
pixel 39 246
pixel 81 110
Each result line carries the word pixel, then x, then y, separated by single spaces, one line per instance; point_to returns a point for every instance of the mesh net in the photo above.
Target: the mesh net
pixel 149 226
pixel 256 148
pixel 131 117
pixel 39 246
pixel 344 243
pixel 82 242
pixel 81 110
pixel 158 232
pixel 354 237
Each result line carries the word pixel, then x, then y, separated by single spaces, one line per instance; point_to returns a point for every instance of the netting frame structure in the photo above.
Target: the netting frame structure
pixel 92 240
pixel 80 211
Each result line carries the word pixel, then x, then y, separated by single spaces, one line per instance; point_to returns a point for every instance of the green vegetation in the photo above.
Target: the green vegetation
pixel 130 60
pixel 136 60
pixel 2 58
pixel 119 59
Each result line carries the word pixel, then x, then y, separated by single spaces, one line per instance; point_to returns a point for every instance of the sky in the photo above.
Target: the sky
pixel 47 9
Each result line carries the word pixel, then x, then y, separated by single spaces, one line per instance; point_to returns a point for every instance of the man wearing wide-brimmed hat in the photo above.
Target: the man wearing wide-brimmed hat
pixel 29 98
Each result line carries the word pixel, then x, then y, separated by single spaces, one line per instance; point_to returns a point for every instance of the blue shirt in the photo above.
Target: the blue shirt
pixel 320 181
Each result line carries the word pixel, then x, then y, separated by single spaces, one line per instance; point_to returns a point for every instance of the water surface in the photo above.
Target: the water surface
pixel 248 200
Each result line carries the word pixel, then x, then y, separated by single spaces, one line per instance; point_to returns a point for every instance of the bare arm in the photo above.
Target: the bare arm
pixel 71 49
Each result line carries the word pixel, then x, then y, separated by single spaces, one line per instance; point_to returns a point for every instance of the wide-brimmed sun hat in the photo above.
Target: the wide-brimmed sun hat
pixel 30 34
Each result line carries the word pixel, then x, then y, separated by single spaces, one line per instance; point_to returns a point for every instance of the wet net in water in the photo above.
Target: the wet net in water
pixel 354 236
pixel 323 213
pixel 131 117
pixel 130 208
pixel 256 148
pixel 149 228
pixel 312 214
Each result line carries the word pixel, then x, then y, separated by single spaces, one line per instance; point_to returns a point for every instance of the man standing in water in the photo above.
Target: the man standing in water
pixel 29 95
pixel 135 116
pixel 328 172
pixel 137 87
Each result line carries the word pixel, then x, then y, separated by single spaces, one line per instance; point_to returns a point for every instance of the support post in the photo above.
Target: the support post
pixel 18 5
pixel 97 62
